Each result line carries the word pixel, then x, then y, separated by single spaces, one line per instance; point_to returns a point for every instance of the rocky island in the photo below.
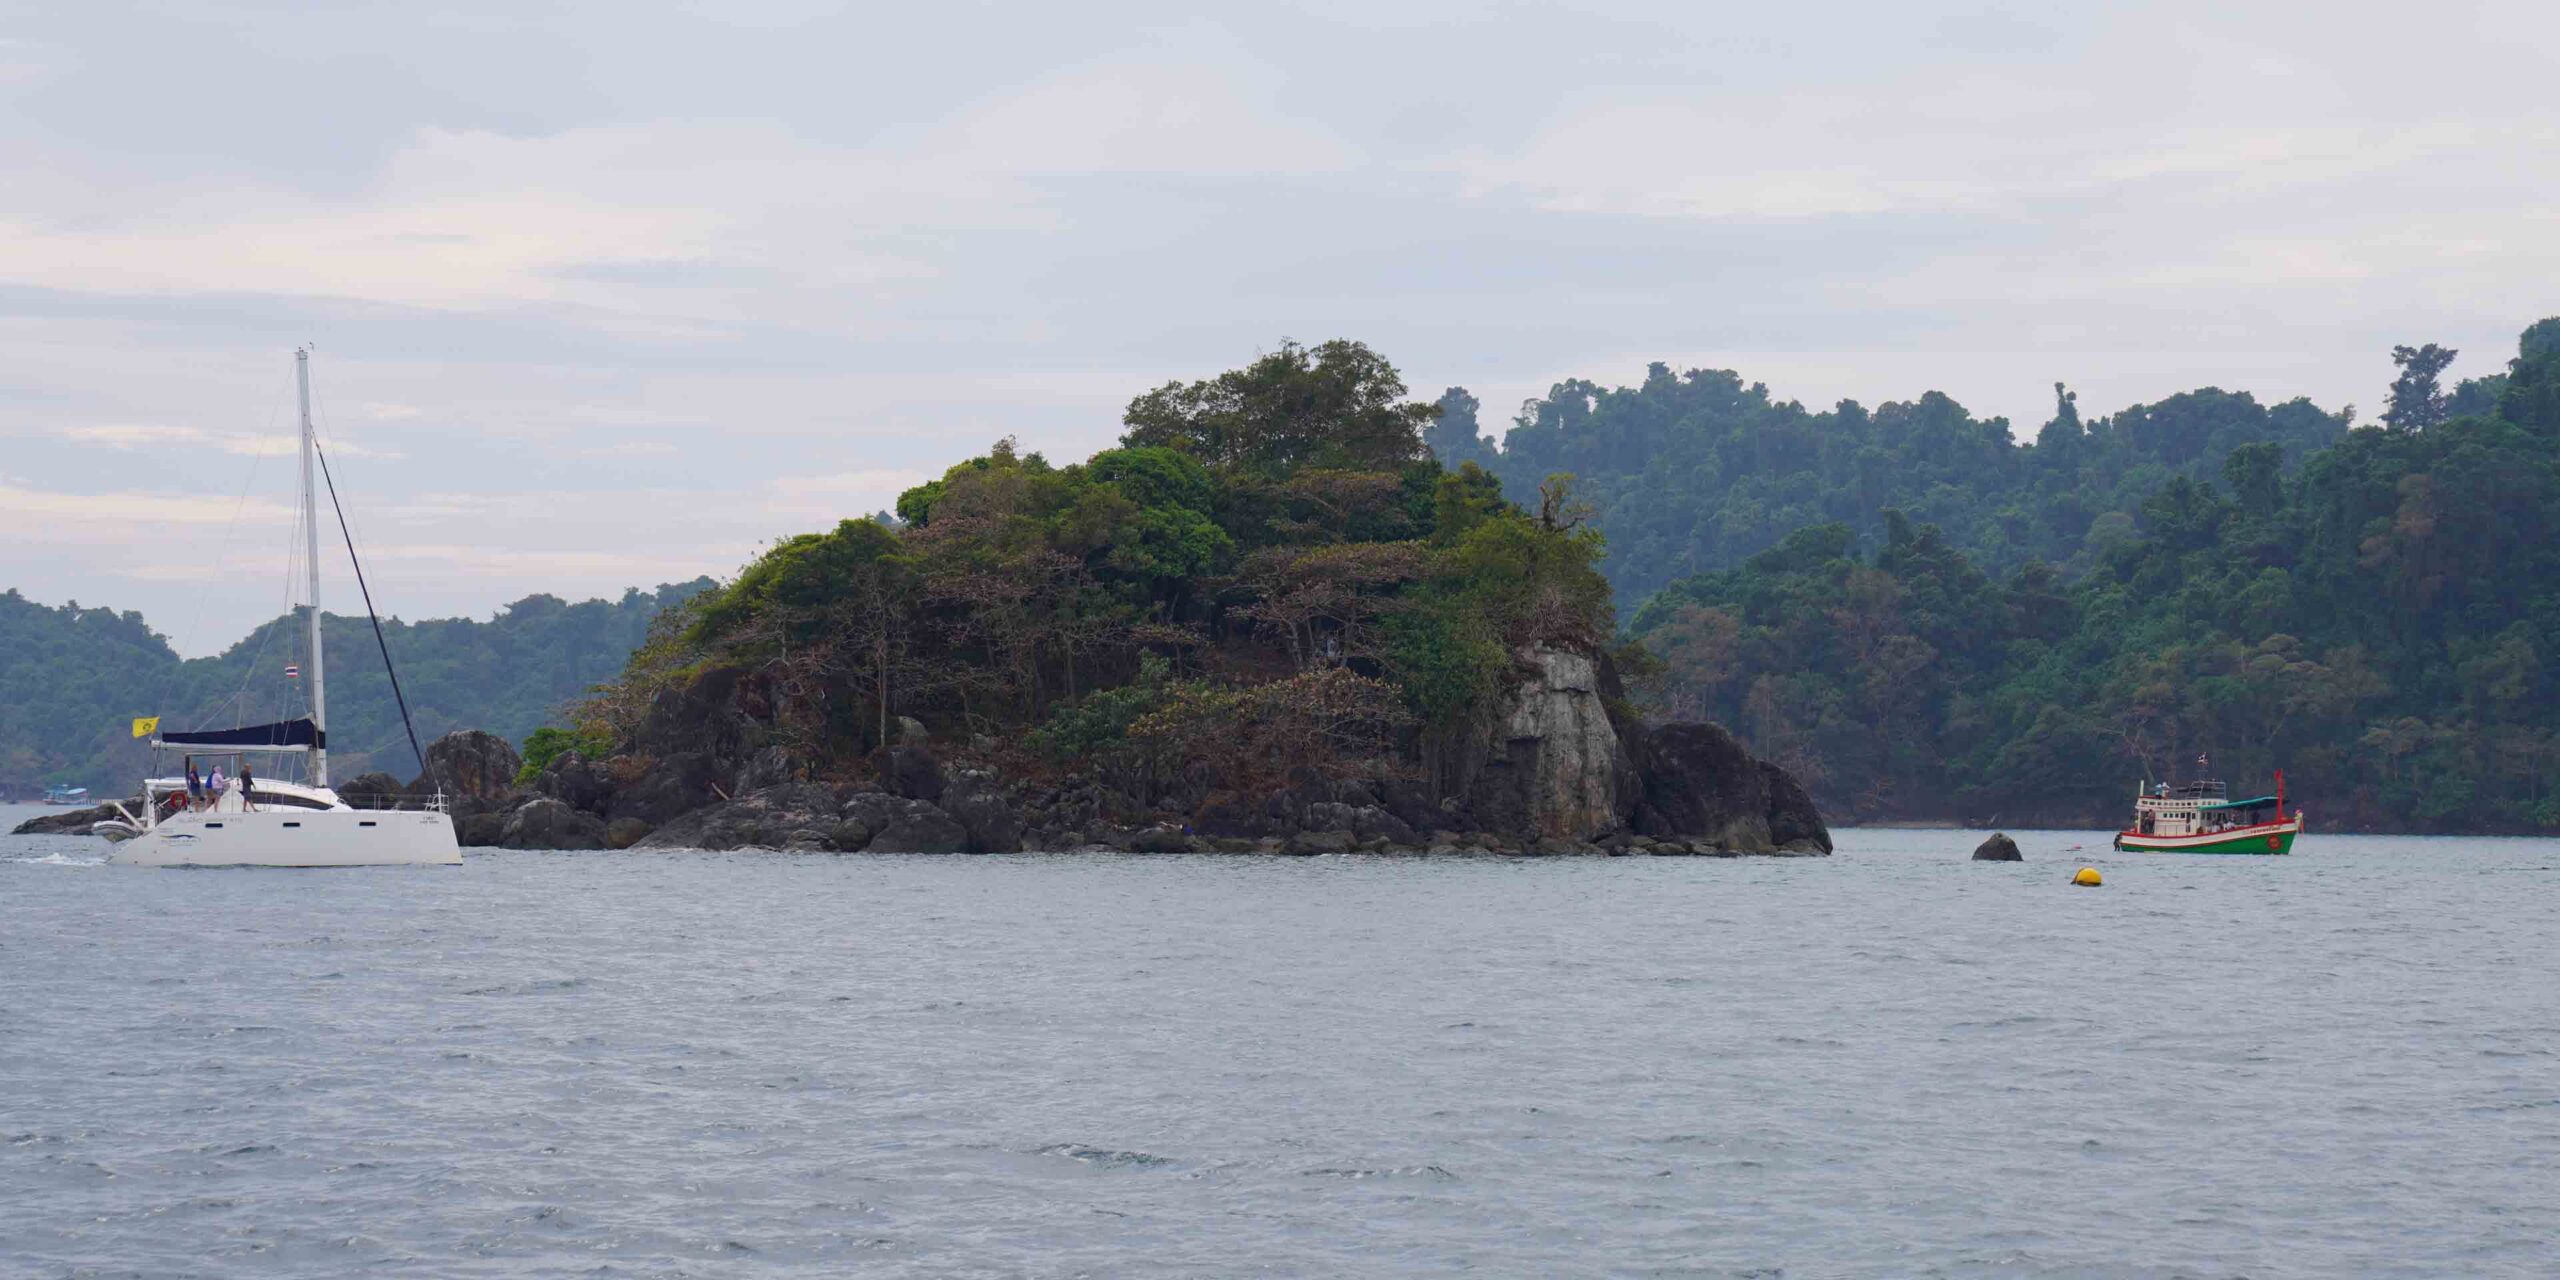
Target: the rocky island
pixel 1269 621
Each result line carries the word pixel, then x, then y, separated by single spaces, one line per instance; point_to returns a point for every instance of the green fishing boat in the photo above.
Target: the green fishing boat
pixel 2201 817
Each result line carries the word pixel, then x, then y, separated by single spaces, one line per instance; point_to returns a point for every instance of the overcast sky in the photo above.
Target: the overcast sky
pixel 612 294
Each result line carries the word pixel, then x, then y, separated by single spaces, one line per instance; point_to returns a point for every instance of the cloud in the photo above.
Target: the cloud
pixel 626 292
pixel 114 516
pixel 178 442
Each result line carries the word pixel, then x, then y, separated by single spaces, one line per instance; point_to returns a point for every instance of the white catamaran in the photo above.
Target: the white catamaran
pixel 270 822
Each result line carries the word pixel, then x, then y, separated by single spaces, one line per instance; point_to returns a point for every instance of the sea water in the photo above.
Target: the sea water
pixel 1893 1062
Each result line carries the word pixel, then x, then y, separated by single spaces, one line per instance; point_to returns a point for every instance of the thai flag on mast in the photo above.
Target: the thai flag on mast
pixel 292 671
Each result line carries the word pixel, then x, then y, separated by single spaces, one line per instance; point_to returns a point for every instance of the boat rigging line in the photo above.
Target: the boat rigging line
pixel 370 615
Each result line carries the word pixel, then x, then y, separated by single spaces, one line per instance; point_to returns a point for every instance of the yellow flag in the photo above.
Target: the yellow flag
pixel 145 726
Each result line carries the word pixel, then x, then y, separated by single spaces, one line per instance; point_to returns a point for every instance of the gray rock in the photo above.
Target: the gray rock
pixel 666 788
pixel 1161 839
pixel 1999 848
pixel 1552 763
pixel 1699 781
pixel 73 822
pixel 977 798
pixel 546 823
pixel 908 769
pixel 1331 815
pixel 797 815
pixel 1794 823
pixel 920 827
pixel 577 782
pixel 376 790
pixel 622 833
pixel 479 830
pixel 1376 823
pixel 771 767
pixel 475 771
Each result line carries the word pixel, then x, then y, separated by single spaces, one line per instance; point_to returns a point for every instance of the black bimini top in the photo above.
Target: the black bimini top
pixel 281 734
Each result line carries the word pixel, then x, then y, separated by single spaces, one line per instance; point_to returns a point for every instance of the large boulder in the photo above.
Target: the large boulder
pixel 72 822
pixel 1550 762
pixel 771 767
pixel 907 768
pixel 1232 814
pixel 474 769
pixel 719 713
pixel 977 798
pixel 376 790
pixel 1699 781
pixel 547 823
pixel 1794 823
pixel 479 830
pixel 918 826
pixel 665 787
pixel 1999 848
pixel 798 816
pixel 577 782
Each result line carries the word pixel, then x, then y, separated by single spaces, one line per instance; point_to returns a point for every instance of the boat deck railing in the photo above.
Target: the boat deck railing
pixel 399 803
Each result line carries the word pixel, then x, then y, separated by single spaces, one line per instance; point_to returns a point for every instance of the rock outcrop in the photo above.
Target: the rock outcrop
pixel 475 771
pixel 1552 767
pixel 577 782
pixel 376 790
pixel 1551 762
pixel 1999 848
pixel 796 815
pixel 72 822
pixel 546 823
pixel 1699 783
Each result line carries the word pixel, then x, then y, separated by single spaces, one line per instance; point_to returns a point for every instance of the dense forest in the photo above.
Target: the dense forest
pixel 2378 617
pixel 1695 472
pixel 72 679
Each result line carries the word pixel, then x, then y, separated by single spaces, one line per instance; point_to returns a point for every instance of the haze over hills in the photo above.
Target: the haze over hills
pixel 72 679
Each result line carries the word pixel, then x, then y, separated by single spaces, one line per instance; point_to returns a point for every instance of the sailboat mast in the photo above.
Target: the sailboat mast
pixel 311 537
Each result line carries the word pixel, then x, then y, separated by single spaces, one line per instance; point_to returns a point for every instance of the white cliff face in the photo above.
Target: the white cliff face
pixel 1575 765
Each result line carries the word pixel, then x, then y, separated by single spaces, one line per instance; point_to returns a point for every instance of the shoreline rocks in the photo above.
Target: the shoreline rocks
pixel 1554 769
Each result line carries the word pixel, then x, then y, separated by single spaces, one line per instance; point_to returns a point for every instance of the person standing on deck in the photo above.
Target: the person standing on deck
pixel 195 785
pixel 248 789
pixel 214 786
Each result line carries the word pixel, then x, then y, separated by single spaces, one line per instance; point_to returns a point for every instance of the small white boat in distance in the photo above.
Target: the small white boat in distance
pixel 256 821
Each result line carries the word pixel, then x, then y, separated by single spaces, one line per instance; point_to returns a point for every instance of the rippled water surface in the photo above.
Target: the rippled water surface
pixel 1891 1062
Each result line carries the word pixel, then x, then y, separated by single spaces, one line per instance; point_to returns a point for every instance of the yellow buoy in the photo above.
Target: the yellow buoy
pixel 2087 877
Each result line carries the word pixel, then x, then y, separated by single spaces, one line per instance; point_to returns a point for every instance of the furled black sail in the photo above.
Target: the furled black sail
pixel 281 734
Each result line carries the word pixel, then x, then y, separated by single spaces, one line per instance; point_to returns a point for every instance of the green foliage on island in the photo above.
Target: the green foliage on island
pixel 73 678
pixel 550 742
pixel 1269 578
pixel 2379 618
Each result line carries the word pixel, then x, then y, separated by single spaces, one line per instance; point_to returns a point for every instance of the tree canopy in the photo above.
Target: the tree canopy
pixel 1268 577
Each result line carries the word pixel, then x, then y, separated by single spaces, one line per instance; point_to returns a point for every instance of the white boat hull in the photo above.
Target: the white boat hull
pixel 295 838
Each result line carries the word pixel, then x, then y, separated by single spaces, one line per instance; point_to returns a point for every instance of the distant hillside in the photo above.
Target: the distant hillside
pixel 72 679
pixel 1697 472
pixel 2380 619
